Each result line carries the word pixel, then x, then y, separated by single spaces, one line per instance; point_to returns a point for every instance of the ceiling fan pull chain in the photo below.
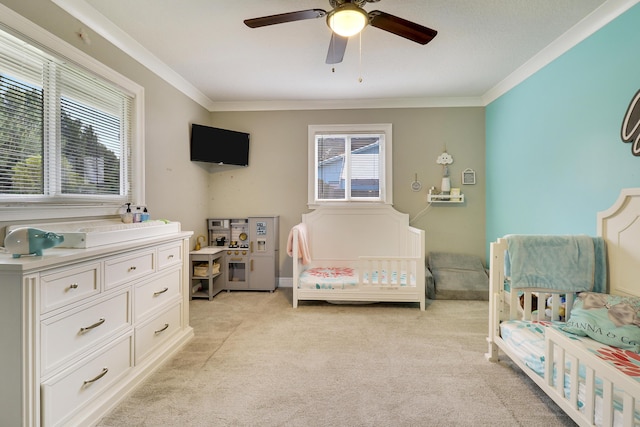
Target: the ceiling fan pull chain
pixel 360 61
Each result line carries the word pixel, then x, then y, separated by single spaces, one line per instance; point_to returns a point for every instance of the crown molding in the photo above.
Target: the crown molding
pixel 347 104
pixel 600 17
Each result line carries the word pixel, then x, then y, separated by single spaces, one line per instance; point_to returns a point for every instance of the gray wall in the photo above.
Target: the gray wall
pixel 275 183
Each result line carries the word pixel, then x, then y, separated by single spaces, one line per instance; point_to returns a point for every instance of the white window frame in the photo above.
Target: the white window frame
pixel 386 180
pixel 21 211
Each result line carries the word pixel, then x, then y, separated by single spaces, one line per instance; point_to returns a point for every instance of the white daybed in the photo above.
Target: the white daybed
pixel 357 254
pixel 609 376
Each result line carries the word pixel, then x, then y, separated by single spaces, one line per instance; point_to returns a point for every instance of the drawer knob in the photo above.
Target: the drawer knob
pixel 95 325
pixel 73 286
pixel 133 267
pixel 155 294
pixel 170 256
pixel 164 328
pixel 97 377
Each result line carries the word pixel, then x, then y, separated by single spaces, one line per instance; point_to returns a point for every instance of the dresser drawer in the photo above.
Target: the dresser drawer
pixel 66 286
pixel 155 332
pixel 169 255
pixel 156 292
pixel 67 335
pixel 124 269
pixel 65 394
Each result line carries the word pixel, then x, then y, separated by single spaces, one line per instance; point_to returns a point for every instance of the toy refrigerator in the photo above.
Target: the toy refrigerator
pixel 263 252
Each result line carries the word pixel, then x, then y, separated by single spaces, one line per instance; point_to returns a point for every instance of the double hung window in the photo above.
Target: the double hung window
pixel 67 134
pixel 350 164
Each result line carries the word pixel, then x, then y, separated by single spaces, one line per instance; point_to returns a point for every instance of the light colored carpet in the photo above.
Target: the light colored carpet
pixel 256 361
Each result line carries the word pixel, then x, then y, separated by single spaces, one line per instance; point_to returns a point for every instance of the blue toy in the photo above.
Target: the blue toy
pixel 30 241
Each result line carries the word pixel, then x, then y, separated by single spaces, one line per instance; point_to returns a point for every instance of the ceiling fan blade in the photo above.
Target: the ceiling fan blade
pixel 337 47
pixel 401 27
pixel 285 17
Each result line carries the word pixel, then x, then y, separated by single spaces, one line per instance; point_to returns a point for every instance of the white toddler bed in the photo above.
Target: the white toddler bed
pixel 357 254
pixel 605 363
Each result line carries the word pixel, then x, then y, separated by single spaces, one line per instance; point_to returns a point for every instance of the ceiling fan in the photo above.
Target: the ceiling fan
pixel 348 18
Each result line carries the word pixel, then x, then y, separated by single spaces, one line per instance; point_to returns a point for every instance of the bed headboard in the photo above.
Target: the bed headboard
pixel 347 232
pixel 620 227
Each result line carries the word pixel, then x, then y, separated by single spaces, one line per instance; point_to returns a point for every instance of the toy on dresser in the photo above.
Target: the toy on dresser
pixel 30 241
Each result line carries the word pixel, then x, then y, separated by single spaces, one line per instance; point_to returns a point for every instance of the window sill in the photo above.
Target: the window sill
pixel 345 204
pixel 29 213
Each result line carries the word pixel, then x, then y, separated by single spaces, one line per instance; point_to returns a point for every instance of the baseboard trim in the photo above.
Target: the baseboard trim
pixel 285 282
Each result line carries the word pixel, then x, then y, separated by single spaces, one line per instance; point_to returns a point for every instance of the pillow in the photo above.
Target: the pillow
pixel 608 319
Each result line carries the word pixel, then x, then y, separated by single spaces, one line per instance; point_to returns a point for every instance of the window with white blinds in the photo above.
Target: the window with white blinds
pixel 350 164
pixel 65 133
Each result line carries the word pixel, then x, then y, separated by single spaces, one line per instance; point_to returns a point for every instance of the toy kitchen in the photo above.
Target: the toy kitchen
pixel 242 254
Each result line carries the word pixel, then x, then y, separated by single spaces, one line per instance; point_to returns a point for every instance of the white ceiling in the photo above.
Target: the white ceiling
pixel 483 48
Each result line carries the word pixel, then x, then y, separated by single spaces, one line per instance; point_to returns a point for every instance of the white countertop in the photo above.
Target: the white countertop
pixel 56 255
pixel 209 250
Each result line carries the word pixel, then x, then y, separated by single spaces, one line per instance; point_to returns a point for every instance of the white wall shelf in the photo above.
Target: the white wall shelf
pixel 445 198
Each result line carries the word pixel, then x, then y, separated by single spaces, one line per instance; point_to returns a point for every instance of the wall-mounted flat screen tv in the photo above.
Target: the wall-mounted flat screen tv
pixel 221 146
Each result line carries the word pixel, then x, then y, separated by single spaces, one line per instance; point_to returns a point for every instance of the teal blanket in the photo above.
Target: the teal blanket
pixel 572 263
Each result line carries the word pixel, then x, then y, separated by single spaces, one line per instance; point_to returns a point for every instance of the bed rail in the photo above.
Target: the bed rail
pixel 530 311
pixel 562 352
pixel 370 268
pixel 387 271
pixel 497 301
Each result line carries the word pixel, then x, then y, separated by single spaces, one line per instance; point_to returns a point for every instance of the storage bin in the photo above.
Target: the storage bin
pixel 201 270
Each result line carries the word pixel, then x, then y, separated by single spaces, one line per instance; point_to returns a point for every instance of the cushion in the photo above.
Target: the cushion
pixel 447 260
pixel 458 276
pixel 609 319
pixel 461 284
pixel 430 289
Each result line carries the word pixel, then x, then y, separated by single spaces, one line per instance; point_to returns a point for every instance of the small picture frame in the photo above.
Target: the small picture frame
pixel 468 176
pixel 455 194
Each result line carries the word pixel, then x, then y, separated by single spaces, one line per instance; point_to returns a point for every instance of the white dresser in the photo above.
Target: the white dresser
pixel 80 328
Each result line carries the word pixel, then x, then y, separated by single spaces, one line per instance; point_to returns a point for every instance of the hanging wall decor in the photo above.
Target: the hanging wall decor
pixel 630 131
pixel 445 159
pixel 468 176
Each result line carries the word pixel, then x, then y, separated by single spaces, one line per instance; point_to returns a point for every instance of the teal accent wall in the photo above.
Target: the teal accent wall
pixel 554 154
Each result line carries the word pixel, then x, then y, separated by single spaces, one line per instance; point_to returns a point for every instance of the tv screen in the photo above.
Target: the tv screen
pixel 221 146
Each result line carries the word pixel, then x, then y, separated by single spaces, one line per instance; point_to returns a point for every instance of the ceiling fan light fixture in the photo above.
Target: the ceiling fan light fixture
pixel 347 19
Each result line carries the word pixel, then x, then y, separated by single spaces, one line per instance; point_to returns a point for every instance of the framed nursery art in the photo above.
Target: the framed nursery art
pixel 468 176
